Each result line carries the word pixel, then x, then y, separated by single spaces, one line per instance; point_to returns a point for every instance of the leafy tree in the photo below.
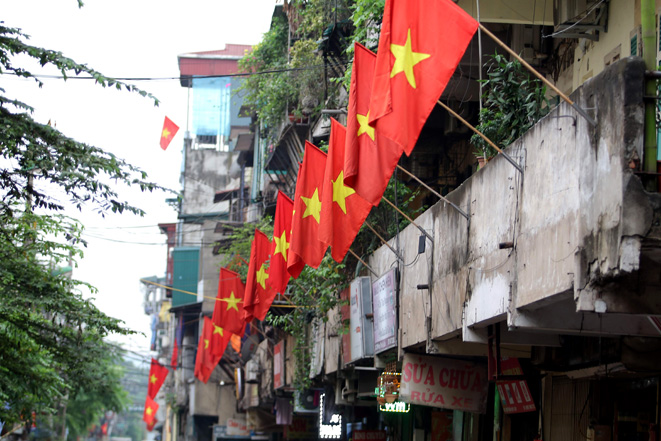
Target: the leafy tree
pixel 270 94
pixel 514 101
pixel 52 346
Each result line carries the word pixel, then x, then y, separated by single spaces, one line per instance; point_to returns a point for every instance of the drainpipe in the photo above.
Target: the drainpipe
pixel 647 19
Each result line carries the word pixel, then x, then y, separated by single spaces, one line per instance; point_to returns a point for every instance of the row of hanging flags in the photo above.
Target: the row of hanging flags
pixel 391 96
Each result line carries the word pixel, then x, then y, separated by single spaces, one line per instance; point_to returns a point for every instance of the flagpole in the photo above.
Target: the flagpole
pixel 384 241
pixel 488 141
pixel 437 194
pixel 363 262
pixel 408 219
pixel 540 76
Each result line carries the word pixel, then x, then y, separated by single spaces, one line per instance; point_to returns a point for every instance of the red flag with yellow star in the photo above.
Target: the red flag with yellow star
pixel 149 415
pixel 257 286
pixel 218 339
pixel 169 130
pixel 157 374
pixel 150 427
pixel 370 158
pixel 205 359
pixel 421 44
pixel 305 247
pixel 342 210
pixel 278 275
pixel 228 310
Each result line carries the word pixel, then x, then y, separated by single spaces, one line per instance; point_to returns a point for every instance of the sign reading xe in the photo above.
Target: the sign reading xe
pixel 444 382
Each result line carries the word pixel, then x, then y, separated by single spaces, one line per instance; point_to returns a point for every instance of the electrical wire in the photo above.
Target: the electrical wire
pixel 178 78
pixel 587 14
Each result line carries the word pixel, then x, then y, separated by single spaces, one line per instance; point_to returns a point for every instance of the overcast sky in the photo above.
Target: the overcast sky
pixel 134 39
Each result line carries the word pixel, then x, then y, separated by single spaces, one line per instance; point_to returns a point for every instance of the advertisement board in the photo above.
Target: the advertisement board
pixel 362 334
pixel 515 396
pixel 384 293
pixel 444 382
pixel 279 365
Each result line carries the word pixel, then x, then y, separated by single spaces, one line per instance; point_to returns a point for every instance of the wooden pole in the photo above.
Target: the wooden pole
pixel 408 218
pixel 525 64
pixel 384 241
pixel 488 141
pixel 363 262
pixel 437 194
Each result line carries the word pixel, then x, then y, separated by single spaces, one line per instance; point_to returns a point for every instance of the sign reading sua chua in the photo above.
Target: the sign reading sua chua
pixel 444 382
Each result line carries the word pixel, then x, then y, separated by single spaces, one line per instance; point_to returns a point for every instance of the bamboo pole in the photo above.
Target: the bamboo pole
pixel 487 140
pixel 384 241
pixel 206 297
pixel 408 219
pixel 525 64
pixel 437 194
pixel 363 262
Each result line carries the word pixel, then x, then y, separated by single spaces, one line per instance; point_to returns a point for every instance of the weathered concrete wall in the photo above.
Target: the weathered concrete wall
pixel 206 172
pixel 574 222
pixel 333 338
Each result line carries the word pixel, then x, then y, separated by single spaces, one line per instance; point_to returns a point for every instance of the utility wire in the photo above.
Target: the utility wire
pixel 242 74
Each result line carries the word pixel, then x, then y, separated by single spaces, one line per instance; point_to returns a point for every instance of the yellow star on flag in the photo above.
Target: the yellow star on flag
pixel 149 410
pixel 281 245
pixel 341 192
pixel 232 301
pixel 165 134
pixel 262 275
pixel 206 343
pixel 312 205
pixel 405 59
pixel 153 378
pixel 217 330
pixel 364 127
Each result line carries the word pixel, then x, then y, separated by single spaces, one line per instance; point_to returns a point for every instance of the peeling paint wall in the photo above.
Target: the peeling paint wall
pixel 577 217
pixel 206 172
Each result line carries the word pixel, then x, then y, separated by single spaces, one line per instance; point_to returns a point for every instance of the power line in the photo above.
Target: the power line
pixel 179 78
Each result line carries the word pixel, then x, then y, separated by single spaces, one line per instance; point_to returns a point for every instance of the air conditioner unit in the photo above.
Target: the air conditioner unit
pixel 566 10
pixel 252 371
pixel 306 401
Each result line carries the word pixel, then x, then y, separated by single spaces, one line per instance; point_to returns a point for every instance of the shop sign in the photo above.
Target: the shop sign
pixel 332 430
pixel 369 435
pixel 301 427
pixel 444 382
pixel 279 365
pixel 515 396
pixel 396 406
pixel 221 432
pixel 237 427
pixel 384 291
pixel 362 334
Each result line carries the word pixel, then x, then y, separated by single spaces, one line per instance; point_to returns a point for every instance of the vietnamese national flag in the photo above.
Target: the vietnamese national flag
pixel 421 44
pixel 257 283
pixel 169 130
pixel 205 359
pixel 157 375
pixel 370 158
pixel 343 211
pixel 235 342
pixel 149 415
pixel 278 275
pixel 228 310
pixel 150 427
pixel 305 247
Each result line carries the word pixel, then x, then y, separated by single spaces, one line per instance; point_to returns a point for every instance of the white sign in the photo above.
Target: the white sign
pixel 356 321
pixel 384 291
pixel 237 427
pixel 444 382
